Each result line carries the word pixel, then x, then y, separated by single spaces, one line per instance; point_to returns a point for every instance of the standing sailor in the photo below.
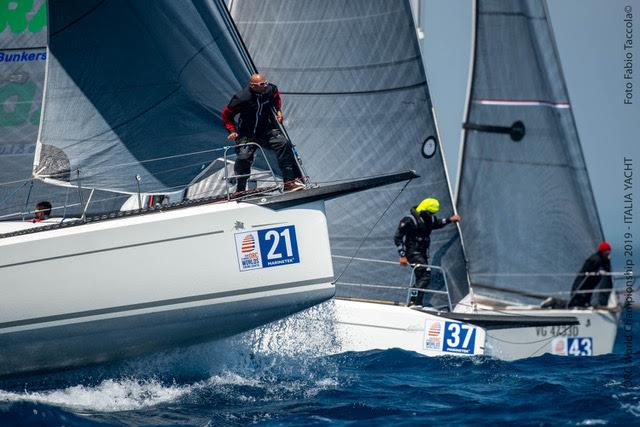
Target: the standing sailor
pixel 596 264
pixel 255 105
pixel 413 238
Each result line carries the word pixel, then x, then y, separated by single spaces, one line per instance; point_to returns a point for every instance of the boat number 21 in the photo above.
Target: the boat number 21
pixel 278 246
pixel 273 237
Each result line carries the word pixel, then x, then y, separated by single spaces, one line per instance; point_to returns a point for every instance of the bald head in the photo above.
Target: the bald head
pixel 258 83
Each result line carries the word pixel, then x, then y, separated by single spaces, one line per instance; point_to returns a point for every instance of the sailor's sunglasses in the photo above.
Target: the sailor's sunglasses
pixel 261 84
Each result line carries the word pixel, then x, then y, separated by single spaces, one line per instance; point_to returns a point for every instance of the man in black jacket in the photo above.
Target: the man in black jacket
pixel 598 263
pixel 255 105
pixel 413 238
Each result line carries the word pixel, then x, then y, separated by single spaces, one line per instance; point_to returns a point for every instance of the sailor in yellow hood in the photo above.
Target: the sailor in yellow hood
pixel 413 238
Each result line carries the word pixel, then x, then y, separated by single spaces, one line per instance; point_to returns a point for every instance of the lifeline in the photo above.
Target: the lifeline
pixel 22 57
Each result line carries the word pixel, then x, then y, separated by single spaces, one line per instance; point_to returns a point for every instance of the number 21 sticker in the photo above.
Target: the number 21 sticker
pixel 269 247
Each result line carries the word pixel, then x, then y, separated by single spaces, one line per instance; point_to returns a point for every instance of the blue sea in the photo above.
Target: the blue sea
pixel 278 375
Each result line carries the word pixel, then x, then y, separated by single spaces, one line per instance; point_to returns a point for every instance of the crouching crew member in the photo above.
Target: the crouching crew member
pixel 412 239
pixel 600 262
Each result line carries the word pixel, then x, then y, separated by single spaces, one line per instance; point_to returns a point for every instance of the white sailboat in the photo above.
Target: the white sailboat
pixel 127 115
pixel 366 91
pixel 521 158
pixel 358 102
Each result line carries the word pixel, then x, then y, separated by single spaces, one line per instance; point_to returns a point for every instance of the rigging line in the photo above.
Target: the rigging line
pixel 78 19
pixel 13 193
pixel 371 230
pixel 560 334
pixel 569 274
pixel 156 159
pixel 544 340
pixel 495 310
pixel 522 162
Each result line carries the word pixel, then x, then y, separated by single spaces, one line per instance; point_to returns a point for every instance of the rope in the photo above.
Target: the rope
pixel 604 273
pixel 156 159
pixel 371 230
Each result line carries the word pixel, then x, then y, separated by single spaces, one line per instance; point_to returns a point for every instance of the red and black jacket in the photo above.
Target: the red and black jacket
pixel 255 110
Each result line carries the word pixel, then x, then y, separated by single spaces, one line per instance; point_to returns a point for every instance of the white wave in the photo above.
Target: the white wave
pixel 131 394
pixel 108 396
pixel 592 422
pixel 281 359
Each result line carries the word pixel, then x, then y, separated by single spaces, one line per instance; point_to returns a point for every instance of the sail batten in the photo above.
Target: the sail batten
pixel 525 195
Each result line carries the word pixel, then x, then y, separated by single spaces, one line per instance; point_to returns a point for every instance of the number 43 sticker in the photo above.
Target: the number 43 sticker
pixel 572 346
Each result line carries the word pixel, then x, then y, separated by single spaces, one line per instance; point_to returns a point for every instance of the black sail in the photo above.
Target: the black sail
pixel 356 103
pixel 530 218
pixel 136 88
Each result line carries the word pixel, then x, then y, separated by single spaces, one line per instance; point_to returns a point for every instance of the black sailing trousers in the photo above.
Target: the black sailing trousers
pixel 273 140
pixel 423 276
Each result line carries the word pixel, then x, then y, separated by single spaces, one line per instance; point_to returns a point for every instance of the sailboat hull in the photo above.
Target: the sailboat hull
pixel 593 335
pixel 363 326
pixel 124 287
pixel 496 332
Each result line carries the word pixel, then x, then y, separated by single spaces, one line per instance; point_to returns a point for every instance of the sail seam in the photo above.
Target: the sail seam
pixel 78 19
pixel 322 21
pixel 520 14
pixel 352 67
pixel 522 103
pixel 363 92
pixel 557 165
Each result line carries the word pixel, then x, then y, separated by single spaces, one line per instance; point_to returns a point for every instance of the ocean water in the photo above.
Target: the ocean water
pixel 272 376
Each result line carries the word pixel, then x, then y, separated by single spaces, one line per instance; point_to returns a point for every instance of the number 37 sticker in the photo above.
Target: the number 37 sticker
pixel 451 337
pixel 269 247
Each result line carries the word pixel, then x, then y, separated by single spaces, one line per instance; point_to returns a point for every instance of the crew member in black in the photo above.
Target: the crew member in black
pixel 600 262
pixel 412 239
pixel 255 105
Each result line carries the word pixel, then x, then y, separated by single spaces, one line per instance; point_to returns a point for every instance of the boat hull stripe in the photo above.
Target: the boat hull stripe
pixel 97 251
pixel 162 303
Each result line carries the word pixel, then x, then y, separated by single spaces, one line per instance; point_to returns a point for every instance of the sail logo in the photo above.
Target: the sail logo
pixel 24 56
pixel 270 247
pixel 20 16
pixel 18 104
